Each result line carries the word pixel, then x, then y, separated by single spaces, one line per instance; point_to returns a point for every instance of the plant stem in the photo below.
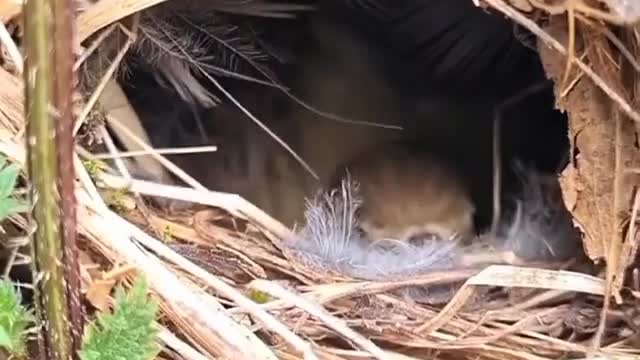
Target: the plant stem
pixel 51 298
pixel 63 85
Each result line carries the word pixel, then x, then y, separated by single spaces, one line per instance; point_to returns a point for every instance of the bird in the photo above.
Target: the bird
pixel 408 194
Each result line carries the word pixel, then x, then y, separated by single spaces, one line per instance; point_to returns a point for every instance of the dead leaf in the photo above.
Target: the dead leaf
pixel 99 292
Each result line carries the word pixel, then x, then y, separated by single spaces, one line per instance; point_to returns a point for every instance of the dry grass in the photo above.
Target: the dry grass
pixel 223 276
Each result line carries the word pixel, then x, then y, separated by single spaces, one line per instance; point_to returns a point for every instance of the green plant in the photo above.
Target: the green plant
pixel 116 198
pixel 9 204
pixel 14 320
pixel 94 167
pixel 167 234
pixel 128 333
pixel 259 296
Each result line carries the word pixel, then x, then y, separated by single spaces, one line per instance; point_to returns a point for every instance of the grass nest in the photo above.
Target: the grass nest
pixel 228 288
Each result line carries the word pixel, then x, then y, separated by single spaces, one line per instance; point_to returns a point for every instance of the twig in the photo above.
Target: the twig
pixel 578 5
pixel 230 338
pixel 181 347
pixel 168 164
pixel 537 300
pixel 12 48
pixel 334 323
pixel 233 203
pixel 615 41
pixel 94 45
pixel 93 99
pixel 457 301
pixel 518 326
pixel 571 46
pixel 283 88
pixel 260 124
pixel 106 137
pixel 514 276
pixel 228 291
pixel 186 351
pixel 571 86
pixel 114 152
pixel 265 128
pixel 631 245
pixel 167 151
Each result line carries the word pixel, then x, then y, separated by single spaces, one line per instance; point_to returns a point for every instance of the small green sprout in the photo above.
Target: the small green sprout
pixel 167 234
pixel 116 199
pixel 128 333
pixel 259 296
pixel 94 167
pixel 14 320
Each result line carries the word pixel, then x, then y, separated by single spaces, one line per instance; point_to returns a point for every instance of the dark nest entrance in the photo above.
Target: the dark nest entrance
pixel 289 101
pixel 439 77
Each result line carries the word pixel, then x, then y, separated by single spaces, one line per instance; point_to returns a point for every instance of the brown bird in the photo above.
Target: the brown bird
pixel 408 194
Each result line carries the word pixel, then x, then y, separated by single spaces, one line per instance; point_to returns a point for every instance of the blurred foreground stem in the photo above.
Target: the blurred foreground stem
pixel 48 88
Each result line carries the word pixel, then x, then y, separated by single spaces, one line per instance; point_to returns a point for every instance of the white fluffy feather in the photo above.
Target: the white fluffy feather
pixel 331 240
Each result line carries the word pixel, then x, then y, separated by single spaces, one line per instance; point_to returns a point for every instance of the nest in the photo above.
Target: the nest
pixel 230 286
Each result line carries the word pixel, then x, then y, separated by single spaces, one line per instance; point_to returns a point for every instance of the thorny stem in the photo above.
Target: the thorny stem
pixel 51 304
pixel 63 86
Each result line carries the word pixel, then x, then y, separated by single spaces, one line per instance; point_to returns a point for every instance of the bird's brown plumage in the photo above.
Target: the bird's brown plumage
pixel 408 193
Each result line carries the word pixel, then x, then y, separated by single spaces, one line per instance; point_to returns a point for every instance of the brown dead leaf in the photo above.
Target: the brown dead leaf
pixel 589 187
pixel 99 292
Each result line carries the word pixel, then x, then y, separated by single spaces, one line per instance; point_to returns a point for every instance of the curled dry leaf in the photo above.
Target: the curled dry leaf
pixel 100 289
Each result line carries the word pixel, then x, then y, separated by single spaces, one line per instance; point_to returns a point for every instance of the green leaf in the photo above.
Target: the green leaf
pixel 14 319
pixel 128 333
pixel 259 296
pixel 8 179
pixel 10 206
pixel 5 339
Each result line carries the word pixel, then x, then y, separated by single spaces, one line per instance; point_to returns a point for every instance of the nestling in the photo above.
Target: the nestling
pixel 408 194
